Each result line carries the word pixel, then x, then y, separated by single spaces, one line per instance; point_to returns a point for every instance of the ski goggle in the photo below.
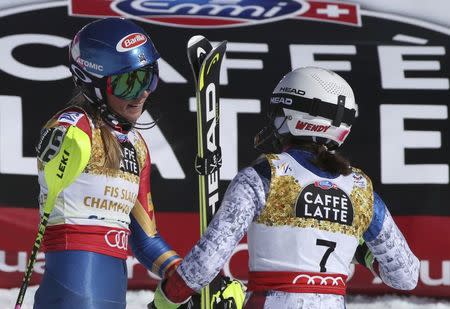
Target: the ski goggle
pixel 131 85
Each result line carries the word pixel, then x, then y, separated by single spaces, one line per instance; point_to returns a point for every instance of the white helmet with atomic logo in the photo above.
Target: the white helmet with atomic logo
pixel 314 104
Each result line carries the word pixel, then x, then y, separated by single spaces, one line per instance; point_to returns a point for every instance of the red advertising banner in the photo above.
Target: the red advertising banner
pixel 181 231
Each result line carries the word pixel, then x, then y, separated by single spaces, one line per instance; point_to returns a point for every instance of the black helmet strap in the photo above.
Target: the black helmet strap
pixel 316 107
pixel 340 109
pixel 117 121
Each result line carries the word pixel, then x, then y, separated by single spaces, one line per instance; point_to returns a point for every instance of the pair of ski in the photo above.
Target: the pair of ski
pixel 205 63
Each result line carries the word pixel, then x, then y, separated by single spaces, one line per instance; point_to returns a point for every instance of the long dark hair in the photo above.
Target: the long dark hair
pixel 327 160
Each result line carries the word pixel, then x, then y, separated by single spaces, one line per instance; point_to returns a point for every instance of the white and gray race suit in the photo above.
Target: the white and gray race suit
pixel 302 222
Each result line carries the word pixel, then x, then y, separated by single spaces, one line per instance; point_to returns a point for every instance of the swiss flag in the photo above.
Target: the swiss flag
pixel 333 11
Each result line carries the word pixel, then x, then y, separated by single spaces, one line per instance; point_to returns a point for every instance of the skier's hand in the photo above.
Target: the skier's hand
pixel 364 257
pixel 160 300
pixel 230 296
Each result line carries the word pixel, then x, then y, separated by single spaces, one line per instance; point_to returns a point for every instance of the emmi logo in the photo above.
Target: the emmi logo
pixel 210 13
pixel 63 164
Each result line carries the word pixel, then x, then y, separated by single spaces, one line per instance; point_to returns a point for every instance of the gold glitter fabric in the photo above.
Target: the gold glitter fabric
pixel 285 190
pixel 283 193
pixel 362 200
pixel 141 149
pixel 97 161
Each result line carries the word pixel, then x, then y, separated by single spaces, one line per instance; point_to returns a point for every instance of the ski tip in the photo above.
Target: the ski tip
pixel 195 39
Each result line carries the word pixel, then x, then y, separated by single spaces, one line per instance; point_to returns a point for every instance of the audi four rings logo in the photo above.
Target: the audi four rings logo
pixel 322 280
pixel 117 239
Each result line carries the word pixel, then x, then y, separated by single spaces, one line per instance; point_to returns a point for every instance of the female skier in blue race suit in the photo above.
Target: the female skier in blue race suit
pixel 114 65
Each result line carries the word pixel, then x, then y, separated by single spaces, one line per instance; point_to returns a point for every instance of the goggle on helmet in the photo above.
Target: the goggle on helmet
pixel 131 85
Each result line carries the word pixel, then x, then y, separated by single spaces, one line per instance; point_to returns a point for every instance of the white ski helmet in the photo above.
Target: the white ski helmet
pixel 314 104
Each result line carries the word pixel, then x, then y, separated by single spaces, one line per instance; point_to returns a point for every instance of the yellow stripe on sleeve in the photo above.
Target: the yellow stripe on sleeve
pixel 162 258
pixel 142 217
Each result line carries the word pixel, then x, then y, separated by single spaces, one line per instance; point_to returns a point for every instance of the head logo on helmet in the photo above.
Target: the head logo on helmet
pixel 280 100
pixel 292 90
pixel 131 41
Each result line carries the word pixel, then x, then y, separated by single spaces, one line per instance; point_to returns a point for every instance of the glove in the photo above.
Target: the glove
pixel 160 301
pixel 230 295
pixel 365 257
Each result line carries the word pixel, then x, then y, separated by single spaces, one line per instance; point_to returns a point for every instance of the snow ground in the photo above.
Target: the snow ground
pixel 139 300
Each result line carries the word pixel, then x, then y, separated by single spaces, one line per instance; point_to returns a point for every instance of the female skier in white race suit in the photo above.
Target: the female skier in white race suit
pixel 304 208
